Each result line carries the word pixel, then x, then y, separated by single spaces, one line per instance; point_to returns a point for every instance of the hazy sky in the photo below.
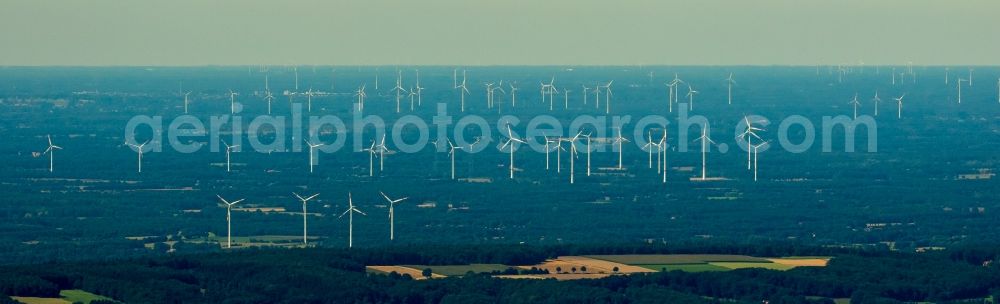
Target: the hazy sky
pixel 511 32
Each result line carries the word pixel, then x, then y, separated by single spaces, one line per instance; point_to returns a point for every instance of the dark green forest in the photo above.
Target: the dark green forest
pixel 321 275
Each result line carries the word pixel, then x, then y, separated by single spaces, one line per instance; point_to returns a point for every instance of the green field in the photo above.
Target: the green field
pixel 660 259
pixel 741 265
pixel 67 296
pixel 699 267
pixel 460 270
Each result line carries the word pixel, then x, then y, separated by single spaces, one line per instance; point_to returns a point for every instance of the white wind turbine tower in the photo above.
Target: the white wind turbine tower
pixel 649 147
pixel 232 101
pixel 663 146
pixel 513 94
pixel 269 98
pixel 312 153
pixel 755 159
pixel 588 153
pixel 730 82
pixel 749 132
pixel 559 149
pixel 228 150
pixel 510 145
pixel 566 98
pixel 607 97
pixel 960 80
pixel 704 150
pixel 419 89
pixel 876 100
pixel 572 155
pixel 451 153
pixel 372 153
pixel 392 220
pixel 360 94
pixel 597 95
pixel 381 154
pixel 547 149
pixel 620 140
pixel 309 100
pixel 412 95
pixel 690 95
pixel 51 151
pixel 351 209
pixel 970 77
pixel 855 103
pixel 464 90
pixel 899 104
pixel 186 101
pixel 585 89
pixel 138 149
pixel 305 226
pixel 398 88
pixel 673 91
pixel 946 69
pixel 229 219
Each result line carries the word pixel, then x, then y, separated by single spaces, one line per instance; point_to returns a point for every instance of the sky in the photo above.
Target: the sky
pixel 499 32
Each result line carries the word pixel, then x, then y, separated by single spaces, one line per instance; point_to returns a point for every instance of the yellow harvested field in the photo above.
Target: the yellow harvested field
pixel 594 266
pixel 801 262
pixel 415 273
pixel 34 300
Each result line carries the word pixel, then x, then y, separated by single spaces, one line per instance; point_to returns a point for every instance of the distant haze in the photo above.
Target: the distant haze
pixel 513 32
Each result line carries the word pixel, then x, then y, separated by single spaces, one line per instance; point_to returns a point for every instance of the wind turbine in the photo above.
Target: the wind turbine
pixel 269 98
pixel 312 152
pixel 572 155
pixel 673 90
pixel 856 104
pixel 513 94
pixel 704 149
pixel 566 98
pixel 663 146
pixel 186 101
pixel 451 153
pixel 412 95
pixel 585 88
pixel 381 154
pixel 372 153
pixel 309 100
pixel 138 149
pixel 228 150
pixel 361 95
pixel 229 219
pixel 463 90
pixel 747 134
pixel 730 82
pixel 547 150
pixel 960 80
pixel 510 145
pixel 755 159
pixel 392 222
pixel 899 104
pixel 607 97
pixel 51 151
pixel 305 226
pixel 649 147
pixel 419 89
pixel 690 95
pixel 398 88
pixel 619 140
pixel 351 209
pixel 232 101
pixel 876 100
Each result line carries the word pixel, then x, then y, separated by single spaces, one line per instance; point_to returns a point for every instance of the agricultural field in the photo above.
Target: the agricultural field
pixel 599 266
pixel 460 270
pixel 66 297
